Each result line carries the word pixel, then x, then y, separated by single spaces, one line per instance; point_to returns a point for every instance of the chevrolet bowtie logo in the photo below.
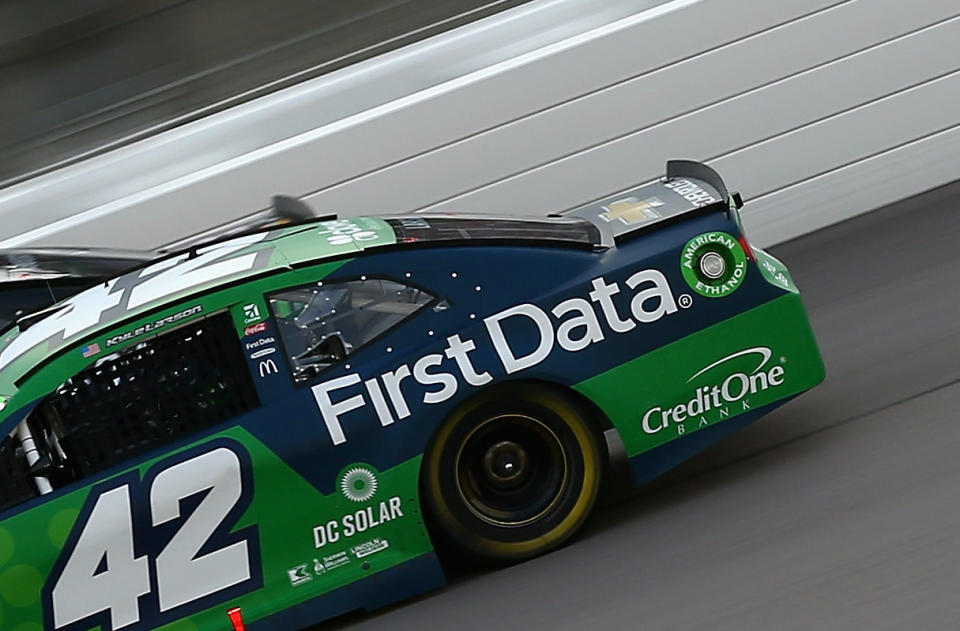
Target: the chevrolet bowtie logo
pixel 631 210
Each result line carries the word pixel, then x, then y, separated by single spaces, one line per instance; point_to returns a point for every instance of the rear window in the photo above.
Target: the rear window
pixel 15 483
pixel 574 231
pixel 38 264
pixel 18 299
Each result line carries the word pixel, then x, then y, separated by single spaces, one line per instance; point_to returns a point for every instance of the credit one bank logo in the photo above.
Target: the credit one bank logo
pixel 724 393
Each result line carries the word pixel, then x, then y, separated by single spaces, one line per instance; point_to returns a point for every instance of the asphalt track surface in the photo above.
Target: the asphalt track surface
pixel 838 511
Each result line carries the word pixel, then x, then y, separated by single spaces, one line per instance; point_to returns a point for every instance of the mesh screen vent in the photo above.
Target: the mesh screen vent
pixel 158 391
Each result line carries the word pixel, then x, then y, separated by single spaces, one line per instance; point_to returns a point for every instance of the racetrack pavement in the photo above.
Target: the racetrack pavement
pixel 837 511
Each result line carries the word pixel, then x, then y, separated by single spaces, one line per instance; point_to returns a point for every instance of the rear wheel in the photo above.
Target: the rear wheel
pixel 513 473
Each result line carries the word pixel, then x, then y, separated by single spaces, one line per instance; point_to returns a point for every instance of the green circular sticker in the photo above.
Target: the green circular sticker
pixel 359 483
pixel 713 264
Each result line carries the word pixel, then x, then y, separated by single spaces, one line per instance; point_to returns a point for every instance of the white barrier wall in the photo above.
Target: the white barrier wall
pixel 816 110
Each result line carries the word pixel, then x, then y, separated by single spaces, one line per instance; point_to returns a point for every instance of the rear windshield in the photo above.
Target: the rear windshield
pixel 31 280
pixel 16 265
pixel 456 228
pixel 18 299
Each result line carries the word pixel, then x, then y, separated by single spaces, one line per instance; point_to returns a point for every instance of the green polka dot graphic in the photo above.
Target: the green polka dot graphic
pixel 20 585
pixel 6 546
pixel 60 526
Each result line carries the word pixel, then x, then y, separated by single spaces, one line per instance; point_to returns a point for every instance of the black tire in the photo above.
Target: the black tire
pixel 513 473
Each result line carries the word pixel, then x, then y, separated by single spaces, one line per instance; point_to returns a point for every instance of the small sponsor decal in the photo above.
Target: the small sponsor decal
pixel 347 231
pixel 150 327
pixel 259 350
pixel 263 352
pixel 715 252
pixel 251 313
pixel 255 329
pixel 299 575
pixel 267 367
pixel 90 350
pixel 631 210
pixel 367 548
pixel 333 561
pixel 263 341
pixel 774 271
pixel 414 223
pixel 691 192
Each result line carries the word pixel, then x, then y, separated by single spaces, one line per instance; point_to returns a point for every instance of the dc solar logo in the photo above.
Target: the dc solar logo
pixel 358 484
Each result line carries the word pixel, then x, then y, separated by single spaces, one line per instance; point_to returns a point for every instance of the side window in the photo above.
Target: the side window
pixel 150 394
pixel 323 323
pixel 15 483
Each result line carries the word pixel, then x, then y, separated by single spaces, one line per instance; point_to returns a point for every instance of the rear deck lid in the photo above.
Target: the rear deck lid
pixel 688 187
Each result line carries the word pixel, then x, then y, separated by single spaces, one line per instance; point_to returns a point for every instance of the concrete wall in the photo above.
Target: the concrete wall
pixel 816 110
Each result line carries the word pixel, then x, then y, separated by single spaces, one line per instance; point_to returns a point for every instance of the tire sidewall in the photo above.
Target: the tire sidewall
pixel 568 420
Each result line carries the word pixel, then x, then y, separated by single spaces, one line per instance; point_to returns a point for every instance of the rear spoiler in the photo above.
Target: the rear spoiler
pixel 689 188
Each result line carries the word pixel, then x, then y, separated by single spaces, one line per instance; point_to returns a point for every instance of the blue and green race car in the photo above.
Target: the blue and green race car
pixel 276 428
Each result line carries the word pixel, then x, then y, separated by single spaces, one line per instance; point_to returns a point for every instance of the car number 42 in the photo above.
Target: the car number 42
pixel 101 579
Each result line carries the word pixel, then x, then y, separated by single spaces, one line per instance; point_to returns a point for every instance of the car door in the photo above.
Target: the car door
pixel 337 515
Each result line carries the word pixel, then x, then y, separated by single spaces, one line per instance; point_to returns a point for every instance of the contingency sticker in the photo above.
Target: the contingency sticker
pixel 731 266
pixel 774 271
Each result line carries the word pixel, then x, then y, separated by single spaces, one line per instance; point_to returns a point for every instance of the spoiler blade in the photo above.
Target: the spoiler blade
pixel 698 171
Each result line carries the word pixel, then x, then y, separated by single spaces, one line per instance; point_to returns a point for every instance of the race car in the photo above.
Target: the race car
pixel 280 427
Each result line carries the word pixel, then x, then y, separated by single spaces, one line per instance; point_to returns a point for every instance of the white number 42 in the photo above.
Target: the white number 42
pixel 103 574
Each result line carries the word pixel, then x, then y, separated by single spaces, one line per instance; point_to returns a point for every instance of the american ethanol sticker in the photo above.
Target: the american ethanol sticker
pixel 713 264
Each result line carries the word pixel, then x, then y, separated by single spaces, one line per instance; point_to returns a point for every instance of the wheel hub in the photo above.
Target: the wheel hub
pixel 511 469
pixel 505 463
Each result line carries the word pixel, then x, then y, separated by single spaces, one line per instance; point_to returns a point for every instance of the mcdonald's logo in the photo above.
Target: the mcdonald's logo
pixel 268 367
